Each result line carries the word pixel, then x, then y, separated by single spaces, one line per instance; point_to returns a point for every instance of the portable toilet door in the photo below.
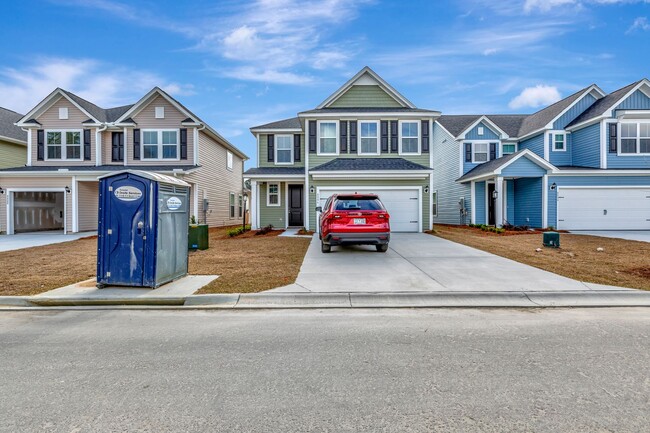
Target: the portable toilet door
pixel 125 230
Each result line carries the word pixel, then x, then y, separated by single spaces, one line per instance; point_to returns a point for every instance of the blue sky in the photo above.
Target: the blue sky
pixel 240 64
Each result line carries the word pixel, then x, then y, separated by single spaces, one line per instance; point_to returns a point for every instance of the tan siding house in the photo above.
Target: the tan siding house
pixel 71 142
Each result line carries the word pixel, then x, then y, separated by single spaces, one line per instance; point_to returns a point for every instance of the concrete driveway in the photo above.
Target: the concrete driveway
pixel 29 240
pixel 418 262
pixel 631 235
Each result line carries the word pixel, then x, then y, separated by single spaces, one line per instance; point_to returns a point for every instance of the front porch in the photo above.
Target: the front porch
pixel 278 197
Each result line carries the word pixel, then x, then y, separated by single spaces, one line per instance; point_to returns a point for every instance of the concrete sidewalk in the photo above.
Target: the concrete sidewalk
pixel 29 240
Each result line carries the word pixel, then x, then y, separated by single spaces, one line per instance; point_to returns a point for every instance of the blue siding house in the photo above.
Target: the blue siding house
pixel 582 163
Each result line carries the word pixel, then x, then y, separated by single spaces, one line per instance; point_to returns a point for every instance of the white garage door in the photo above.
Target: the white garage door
pixel 403 205
pixel 603 208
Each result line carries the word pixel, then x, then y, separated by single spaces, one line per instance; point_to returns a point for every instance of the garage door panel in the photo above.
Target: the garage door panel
pixel 403 205
pixel 603 209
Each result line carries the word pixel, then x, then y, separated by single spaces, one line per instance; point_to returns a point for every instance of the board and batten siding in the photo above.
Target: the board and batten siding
pixel 365 96
pixel 573 112
pixel 35 184
pixel 535 144
pixel 488 133
pixel 215 182
pixel 50 120
pixel 569 181
pixel 528 202
pixel 586 146
pixel 273 215
pixel 264 152
pixel 523 167
pixel 636 101
pixel 88 202
pixel 446 153
pixel 146 119
pixel 12 155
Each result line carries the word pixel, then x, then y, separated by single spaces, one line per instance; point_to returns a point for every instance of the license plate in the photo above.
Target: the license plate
pixel 359 221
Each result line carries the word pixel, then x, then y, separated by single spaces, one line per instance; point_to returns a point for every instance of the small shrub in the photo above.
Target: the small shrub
pixel 192 220
pixel 264 230
pixel 235 232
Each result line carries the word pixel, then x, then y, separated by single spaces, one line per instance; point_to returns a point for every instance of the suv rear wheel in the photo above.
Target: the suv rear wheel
pixel 382 248
pixel 324 247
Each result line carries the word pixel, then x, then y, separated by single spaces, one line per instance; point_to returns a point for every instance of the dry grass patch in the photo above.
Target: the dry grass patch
pixel 245 263
pixel 622 263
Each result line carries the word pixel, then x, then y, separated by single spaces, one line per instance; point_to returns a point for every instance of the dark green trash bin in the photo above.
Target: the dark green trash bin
pixel 551 239
pixel 198 237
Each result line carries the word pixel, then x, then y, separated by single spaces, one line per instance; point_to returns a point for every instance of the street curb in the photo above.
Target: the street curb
pixel 282 300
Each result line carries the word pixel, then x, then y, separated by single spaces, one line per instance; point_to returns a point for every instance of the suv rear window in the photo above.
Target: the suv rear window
pixel 347 203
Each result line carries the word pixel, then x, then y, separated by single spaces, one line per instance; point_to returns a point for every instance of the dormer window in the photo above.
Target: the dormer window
pixel 634 138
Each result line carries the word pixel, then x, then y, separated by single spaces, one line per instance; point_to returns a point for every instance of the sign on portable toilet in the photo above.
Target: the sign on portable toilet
pixel 143 229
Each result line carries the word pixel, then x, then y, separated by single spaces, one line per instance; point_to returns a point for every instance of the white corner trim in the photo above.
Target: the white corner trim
pixel 196 145
pixel 29 147
pixel 126 147
pixel 75 205
pixel 604 147
pixel 472 198
pixel 545 201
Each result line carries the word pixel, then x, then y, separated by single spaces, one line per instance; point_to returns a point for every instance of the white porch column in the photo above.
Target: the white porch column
pixel 253 205
pixel 498 205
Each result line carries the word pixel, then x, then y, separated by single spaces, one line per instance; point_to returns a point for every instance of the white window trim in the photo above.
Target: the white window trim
pixel 359 152
pixel 64 145
pixel 268 194
pixel 434 194
pixel 507 144
pixel 338 147
pixel 232 206
pixel 160 145
pixel 64 113
pixel 240 205
pixel 399 137
pixel 474 161
pixel 275 150
pixel 159 112
pixel 229 160
pixel 638 122
pixel 480 130
pixel 553 134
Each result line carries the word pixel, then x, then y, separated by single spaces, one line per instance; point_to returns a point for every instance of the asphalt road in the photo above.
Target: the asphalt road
pixel 333 371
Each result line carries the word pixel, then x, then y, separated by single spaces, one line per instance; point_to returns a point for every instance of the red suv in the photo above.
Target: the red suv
pixel 354 219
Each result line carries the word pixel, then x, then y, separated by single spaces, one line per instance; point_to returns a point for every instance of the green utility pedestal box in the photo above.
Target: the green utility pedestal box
pixel 198 237
pixel 551 239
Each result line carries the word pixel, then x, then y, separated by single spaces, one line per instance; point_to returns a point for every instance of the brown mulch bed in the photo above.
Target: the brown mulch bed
pixel 622 263
pixel 245 263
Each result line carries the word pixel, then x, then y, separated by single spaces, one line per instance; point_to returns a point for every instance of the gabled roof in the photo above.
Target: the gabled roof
pixel 276 171
pixel 495 166
pixel 601 106
pixel 134 109
pixel 292 123
pixel 370 110
pixel 88 108
pixel 548 115
pixel 99 168
pixel 457 124
pixel 147 174
pixel 367 164
pixel 8 130
pixel 373 76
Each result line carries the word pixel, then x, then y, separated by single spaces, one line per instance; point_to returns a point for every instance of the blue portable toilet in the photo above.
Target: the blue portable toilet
pixel 143 229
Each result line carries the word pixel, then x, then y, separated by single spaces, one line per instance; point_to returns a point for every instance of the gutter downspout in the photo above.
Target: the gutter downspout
pixel 99 144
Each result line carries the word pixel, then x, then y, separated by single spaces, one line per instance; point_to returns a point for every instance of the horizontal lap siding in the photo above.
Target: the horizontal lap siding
pixel 34 183
pixel 88 199
pixel 273 215
pixel 535 144
pixel 528 202
pixel 568 181
pixel 586 146
pixel 12 155
pixel 523 167
pixel 214 178
pixel 146 119
pixel 479 196
pixel 50 120
pixel 561 159
pixel 264 152
pixel 446 166
pixel 364 96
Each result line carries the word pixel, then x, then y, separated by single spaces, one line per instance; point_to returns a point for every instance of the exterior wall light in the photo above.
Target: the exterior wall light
pixel 312 189
pixel 67 190
pixel 426 189
pixel 495 194
pixel 553 186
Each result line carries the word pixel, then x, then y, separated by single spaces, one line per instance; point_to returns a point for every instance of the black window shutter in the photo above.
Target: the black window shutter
pixel 86 144
pixel 183 143
pixel 40 145
pixel 312 136
pixel 384 135
pixel 353 136
pixel 343 132
pixel 136 144
pixel 493 151
pixel 270 147
pixel 296 147
pixel 613 138
pixel 468 152
pixel 424 132
pixel 393 136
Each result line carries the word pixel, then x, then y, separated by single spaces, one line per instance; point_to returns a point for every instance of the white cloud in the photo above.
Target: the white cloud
pixel 537 96
pixel 550 5
pixel 640 23
pixel 101 83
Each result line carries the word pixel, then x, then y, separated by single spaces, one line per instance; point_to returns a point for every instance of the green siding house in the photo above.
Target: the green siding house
pixel 13 140
pixel 365 137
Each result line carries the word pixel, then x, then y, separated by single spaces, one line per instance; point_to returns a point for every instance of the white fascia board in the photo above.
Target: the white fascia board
pixel 397 174
pixel 12 140
pixel 485 119
pixel 373 115
pixel 597 172
pixel 585 93
pixel 610 110
pixel 95 173
pixel 274 131
pixel 261 177
pixel 47 103
pixel 444 129
pixel 531 134
pixel 587 123
pixel 146 99
pixel 531 156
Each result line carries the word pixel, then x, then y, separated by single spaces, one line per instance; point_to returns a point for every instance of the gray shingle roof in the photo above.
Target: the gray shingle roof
pixel 599 107
pixel 456 124
pixel 488 167
pixel 292 123
pixel 102 168
pixel 369 110
pixel 7 127
pixel 275 171
pixel 354 164
pixel 101 114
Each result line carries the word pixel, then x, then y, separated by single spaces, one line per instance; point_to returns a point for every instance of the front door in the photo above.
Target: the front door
pixel 490 200
pixel 295 206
